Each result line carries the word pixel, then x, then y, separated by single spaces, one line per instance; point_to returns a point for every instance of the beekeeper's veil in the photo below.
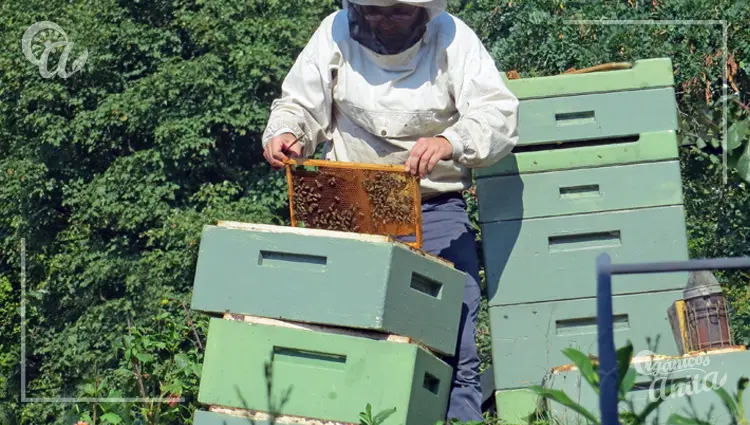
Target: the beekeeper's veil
pixel 360 29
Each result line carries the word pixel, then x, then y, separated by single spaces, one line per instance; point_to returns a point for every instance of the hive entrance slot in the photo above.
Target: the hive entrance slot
pixel 587 325
pixel 572 144
pixel 592 240
pixel 575 118
pixel 305 262
pixel 426 285
pixel 431 383
pixel 302 357
pixel 583 191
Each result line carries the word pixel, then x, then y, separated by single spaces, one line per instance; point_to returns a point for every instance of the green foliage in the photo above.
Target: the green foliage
pixel 365 418
pixel 9 350
pixel 564 35
pixel 733 403
pixel 589 371
pixel 705 129
pixel 162 361
pixel 717 226
pixel 626 377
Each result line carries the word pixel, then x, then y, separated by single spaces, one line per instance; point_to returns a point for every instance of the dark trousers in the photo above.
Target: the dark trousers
pixel 447 233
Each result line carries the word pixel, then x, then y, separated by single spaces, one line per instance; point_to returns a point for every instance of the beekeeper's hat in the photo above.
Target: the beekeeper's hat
pixel 434 5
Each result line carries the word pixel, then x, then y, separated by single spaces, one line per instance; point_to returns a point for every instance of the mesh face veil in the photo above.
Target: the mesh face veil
pixel 389 27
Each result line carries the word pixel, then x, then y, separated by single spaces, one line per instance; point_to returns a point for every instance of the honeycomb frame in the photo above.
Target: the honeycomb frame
pixel 355 197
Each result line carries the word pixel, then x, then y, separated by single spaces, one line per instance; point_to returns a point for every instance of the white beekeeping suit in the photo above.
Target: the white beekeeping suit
pixel 372 107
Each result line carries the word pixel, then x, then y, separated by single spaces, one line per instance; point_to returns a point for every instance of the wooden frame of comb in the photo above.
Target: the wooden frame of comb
pixel 355 166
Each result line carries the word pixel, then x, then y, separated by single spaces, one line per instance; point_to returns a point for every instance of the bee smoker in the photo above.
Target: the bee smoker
pixel 706 313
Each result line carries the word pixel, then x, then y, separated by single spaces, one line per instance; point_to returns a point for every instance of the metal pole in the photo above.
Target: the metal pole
pixel 682 266
pixel 607 355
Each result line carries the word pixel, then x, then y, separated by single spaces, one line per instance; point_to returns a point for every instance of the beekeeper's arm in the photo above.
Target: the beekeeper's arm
pixel 304 107
pixel 487 128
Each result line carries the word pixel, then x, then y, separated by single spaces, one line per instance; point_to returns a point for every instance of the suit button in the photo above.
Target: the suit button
pixel 383 132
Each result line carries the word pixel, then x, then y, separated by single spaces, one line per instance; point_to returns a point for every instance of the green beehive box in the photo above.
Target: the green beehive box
pixel 233 418
pixel 596 116
pixel 520 406
pixel 548 259
pixel 646 147
pixel 645 74
pixel 559 193
pixel 211 418
pixel 720 369
pixel 528 339
pixel 328 376
pixel 329 278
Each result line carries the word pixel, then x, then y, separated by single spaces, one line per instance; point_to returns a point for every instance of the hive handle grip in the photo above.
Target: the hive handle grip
pixel 300 356
pixel 580 191
pixel 584 240
pixel 564 119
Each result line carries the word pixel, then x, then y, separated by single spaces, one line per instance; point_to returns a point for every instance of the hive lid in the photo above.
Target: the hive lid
pixel 324 233
pixel 643 74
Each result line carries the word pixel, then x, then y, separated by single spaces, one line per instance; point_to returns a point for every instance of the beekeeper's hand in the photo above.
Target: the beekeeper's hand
pixel 278 150
pixel 426 153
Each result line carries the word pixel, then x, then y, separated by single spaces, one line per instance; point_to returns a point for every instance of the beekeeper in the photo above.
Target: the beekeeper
pixel 405 82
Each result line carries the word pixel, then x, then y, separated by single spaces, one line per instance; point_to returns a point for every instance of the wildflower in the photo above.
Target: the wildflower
pixel 173 400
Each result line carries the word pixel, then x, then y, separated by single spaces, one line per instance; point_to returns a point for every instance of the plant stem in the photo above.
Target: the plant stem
pixel 96 393
pixel 192 326
pixel 136 366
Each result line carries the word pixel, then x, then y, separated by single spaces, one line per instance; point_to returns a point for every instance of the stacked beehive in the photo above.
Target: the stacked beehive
pixel 693 374
pixel 708 357
pixel 596 170
pixel 337 320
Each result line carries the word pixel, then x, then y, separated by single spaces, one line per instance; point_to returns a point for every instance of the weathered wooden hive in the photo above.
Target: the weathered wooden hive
pixel 596 170
pixel 331 320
